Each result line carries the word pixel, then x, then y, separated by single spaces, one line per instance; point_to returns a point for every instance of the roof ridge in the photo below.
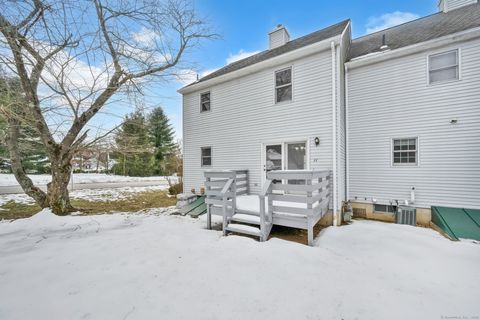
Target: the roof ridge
pixel 270 53
pixel 412 21
pixel 296 39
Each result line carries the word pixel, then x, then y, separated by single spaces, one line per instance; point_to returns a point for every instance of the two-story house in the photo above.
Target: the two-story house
pixel 395 115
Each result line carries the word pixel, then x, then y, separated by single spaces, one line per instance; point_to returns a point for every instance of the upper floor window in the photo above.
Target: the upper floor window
pixel 283 85
pixel 205 101
pixel 405 151
pixel 206 158
pixel 443 67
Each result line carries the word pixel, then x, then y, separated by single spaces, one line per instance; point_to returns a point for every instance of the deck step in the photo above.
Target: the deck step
pixel 246 218
pixel 249 212
pixel 241 228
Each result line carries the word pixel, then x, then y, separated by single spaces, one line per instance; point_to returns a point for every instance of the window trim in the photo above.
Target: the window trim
pixel 210 101
pixel 417 153
pixel 275 87
pixel 458 65
pixel 202 156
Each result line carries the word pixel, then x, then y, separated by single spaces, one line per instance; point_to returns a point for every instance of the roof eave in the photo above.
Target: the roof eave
pixel 379 56
pixel 283 58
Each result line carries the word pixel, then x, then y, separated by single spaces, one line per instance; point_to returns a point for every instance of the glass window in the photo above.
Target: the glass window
pixel 405 151
pixel 205 101
pixel 443 67
pixel 283 85
pixel 206 156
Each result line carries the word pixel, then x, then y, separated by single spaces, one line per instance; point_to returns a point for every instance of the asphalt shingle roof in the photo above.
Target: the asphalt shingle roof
pixel 434 26
pixel 311 38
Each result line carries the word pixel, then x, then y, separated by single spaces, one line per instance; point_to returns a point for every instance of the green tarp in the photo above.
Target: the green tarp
pixel 458 223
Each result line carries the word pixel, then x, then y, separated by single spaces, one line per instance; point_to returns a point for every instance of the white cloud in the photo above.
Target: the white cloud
pixel 145 36
pixel 388 20
pixel 242 54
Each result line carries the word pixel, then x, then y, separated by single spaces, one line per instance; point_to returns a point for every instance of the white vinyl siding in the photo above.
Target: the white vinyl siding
pixel 245 116
pixel 449 5
pixel 443 67
pixel 392 99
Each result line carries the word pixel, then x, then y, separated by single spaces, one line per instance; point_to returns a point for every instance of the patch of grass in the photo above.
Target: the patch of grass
pixel 14 210
pixel 134 202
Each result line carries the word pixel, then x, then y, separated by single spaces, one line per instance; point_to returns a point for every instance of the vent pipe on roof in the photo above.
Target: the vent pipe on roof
pixel 278 37
pixel 384 43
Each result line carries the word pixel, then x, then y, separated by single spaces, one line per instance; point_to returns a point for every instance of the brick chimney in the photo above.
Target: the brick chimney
pixel 278 37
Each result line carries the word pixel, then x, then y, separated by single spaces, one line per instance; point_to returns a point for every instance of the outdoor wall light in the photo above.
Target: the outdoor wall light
pixel 317 141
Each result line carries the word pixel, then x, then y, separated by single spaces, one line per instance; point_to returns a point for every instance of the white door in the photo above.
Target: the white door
pixel 273 157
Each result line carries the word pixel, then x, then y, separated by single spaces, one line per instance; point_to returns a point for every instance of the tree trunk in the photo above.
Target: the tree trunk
pixel 58 196
pixel 17 167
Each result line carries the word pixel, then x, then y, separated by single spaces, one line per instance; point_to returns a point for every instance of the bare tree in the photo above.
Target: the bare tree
pixel 74 57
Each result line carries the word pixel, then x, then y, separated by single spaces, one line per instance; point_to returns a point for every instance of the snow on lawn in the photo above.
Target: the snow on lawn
pixel 43 179
pixel 88 194
pixel 169 267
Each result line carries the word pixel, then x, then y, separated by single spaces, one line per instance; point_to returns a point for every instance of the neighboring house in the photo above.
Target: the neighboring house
pixel 391 111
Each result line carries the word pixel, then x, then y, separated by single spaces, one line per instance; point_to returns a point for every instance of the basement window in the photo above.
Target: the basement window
pixel 383 208
pixel 405 151
pixel 205 101
pixel 206 158
pixel 283 85
pixel 443 67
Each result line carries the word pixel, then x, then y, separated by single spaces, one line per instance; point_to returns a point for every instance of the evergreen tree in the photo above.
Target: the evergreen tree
pixel 32 151
pixel 134 149
pixel 161 135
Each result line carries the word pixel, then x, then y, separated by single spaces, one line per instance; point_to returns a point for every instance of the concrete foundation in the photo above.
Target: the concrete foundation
pixel 366 211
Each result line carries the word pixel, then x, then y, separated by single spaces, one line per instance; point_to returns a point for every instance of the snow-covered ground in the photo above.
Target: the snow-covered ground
pixel 88 194
pixel 43 179
pixel 169 267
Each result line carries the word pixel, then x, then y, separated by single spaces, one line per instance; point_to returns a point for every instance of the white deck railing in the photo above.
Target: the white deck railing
pixel 298 198
pixel 221 190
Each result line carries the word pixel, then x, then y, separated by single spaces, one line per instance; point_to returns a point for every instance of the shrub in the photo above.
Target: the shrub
pixel 176 188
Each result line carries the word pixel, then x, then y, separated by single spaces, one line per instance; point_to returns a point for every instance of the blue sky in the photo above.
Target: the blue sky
pixel 243 26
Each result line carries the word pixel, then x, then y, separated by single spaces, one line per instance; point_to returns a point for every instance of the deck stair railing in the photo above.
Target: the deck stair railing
pixel 221 189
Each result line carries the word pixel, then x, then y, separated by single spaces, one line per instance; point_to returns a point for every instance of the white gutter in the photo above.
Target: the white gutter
pixel 283 58
pixel 334 134
pixel 427 45
pixel 347 154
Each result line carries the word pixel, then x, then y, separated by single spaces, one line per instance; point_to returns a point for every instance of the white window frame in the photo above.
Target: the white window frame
pixel 283 142
pixel 202 156
pixel 210 101
pixel 282 86
pixel 417 152
pixel 458 66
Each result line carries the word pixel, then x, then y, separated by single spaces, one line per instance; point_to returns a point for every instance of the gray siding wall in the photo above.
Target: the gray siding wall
pixel 243 115
pixel 392 99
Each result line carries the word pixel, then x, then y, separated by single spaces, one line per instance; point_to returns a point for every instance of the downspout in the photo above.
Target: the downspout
pixel 347 156
pixel 334 134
